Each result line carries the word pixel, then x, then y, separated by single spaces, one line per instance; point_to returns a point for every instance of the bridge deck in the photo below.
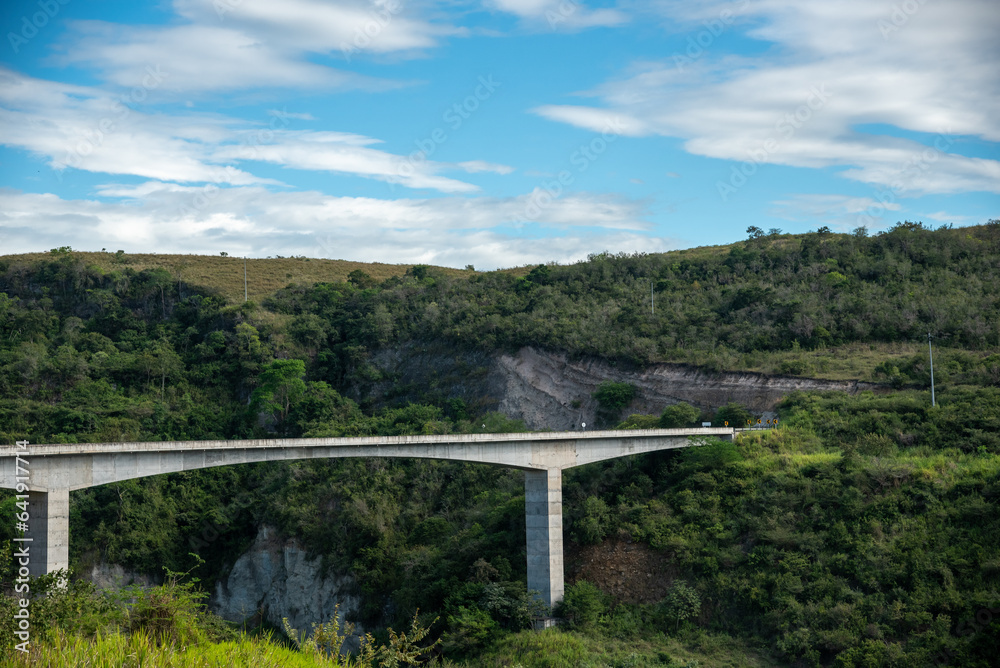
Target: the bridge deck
pixel 53 449
pixel 48 472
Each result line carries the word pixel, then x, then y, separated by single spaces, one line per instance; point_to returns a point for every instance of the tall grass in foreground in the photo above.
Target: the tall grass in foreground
pixel 139 649
pixel 75 624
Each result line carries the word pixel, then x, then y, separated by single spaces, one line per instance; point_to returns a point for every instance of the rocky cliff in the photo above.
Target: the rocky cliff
pixel 551 390
pixel 276 579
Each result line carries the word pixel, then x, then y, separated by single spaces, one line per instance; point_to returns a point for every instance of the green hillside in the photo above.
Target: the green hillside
pixel 863 532
pixel 224 275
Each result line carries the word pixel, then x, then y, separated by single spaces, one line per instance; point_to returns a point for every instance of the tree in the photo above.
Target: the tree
pixel 361 279
pixel 281 385
pixel 754 232
pixel 733 413
pixel 593 526
pixel 678 415
pixel 583 604
pixel 160 360
pixel 683 603
pixel 614 396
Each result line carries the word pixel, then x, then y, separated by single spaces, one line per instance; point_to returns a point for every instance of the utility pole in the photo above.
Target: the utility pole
pixel 245 297
pixel 930 350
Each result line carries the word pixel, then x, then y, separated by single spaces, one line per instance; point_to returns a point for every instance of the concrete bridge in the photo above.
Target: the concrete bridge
pixel 47 474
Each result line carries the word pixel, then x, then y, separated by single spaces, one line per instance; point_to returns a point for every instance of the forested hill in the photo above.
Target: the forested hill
pixel 867 526
pixel 758 304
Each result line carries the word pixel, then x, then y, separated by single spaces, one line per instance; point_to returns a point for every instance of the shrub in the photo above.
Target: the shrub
pixel 733 413
pixel 614 396
pixel 470 629
pixel 636 421
pixel 592 527
pixel 714 454
pixel 582 605
pixel 679 415
pixel 681 604
pixel 795 367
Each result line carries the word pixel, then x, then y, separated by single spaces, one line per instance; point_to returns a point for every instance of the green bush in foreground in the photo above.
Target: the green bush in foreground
pixel 582 605
pixel 74 624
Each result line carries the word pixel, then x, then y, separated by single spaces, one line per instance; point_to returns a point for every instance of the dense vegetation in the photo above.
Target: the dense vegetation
pixel 712 308
pixel 862 532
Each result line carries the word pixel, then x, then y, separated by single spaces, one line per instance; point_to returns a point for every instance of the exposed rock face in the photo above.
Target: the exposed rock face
pixel 278 579
pixel 114 577
pixel 549 390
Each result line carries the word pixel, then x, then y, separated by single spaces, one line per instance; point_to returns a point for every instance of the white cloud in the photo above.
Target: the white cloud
pixel 252 220
pixel 830 71
pixel 561 15
pixel 89 129
pixel 278 113
pixel 945 217
pixel 474 166
pixel 226 45
pixel 347 154
pixel 615 122
pixel 843 212
pixel 324 26
pixel 201 59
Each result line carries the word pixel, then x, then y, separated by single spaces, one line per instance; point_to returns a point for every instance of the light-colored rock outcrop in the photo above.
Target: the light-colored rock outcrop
pixel 550 390
pixel 114 577
pixel 279 580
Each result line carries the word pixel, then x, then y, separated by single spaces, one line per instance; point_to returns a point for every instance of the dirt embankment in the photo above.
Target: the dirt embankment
pixel 549 390
pixel 628 572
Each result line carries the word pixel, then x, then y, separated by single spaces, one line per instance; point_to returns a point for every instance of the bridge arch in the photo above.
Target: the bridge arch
pixel 47 473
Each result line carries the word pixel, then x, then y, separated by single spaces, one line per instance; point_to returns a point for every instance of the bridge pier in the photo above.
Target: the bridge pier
pixel 48 527
pixel 544 528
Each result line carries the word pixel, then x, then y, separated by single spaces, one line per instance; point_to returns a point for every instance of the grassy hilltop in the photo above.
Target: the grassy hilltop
pixel 862 532
pixel 224 274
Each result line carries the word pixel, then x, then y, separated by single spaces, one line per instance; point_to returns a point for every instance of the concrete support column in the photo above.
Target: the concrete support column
pixel 543 520
pixel 48 527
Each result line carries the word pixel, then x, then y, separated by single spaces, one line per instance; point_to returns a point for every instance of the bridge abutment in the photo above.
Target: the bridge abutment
pixel 544 528
pixel 48 528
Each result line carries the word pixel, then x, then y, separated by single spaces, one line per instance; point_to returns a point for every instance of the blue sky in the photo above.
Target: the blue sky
pixel 494 133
